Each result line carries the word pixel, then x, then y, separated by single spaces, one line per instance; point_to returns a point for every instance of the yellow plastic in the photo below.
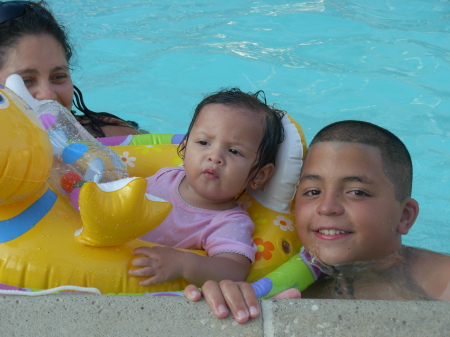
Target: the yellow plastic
pixel 53 252
pixel 24 143
pixel 105 223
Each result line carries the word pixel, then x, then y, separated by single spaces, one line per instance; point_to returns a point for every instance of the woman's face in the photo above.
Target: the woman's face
pixel 40 61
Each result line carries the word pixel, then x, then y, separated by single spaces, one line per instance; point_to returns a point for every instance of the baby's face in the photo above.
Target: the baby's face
pixel 219 154
pixel 345 206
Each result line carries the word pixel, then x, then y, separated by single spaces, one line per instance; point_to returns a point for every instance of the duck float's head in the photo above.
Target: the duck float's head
pixel 40 240
pixel 25 150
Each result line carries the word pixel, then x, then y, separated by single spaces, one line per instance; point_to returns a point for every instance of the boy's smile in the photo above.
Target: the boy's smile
pixel 346 209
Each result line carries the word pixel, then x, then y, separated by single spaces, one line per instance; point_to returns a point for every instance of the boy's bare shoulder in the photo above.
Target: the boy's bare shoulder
pixel 431 270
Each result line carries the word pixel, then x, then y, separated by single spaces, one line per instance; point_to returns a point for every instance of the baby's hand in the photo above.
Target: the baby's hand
pixel 163 264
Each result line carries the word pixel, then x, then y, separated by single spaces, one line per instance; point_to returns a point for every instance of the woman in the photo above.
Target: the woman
pixel 35 46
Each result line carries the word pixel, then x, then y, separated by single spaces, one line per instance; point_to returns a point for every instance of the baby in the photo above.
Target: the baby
pixel 231 145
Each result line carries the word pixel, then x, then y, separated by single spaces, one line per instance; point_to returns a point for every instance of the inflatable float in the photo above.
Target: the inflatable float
pixel 61 225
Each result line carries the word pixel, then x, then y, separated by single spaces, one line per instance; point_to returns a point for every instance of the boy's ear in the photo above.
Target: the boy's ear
pixel 409 215
pixel 262 176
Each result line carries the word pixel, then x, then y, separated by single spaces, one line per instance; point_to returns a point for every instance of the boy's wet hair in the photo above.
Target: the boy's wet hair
pixel 273 132
pixel 395 156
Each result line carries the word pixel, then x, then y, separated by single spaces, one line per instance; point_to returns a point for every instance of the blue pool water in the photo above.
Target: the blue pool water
pixel 387 62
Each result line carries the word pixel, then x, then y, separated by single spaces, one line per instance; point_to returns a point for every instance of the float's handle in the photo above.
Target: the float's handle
pixel 297 273
pixel 77 155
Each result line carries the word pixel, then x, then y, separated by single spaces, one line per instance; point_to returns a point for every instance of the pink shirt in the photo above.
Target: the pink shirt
pixel 190 227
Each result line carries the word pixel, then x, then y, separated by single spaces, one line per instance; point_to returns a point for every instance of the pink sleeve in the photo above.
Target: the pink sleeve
pixel 158 183
pixel 230 232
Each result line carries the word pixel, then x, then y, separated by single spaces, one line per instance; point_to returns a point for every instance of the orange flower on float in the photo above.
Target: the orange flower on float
pixel 264 249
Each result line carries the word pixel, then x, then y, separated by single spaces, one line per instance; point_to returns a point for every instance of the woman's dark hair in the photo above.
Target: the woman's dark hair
pixel 35 18
pixel 273 133
pixel 97 119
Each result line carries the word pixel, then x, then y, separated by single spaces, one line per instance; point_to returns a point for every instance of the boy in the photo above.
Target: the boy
pixel 353 204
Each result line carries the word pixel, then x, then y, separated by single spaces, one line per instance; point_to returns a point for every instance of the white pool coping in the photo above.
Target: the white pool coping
pixel 102 315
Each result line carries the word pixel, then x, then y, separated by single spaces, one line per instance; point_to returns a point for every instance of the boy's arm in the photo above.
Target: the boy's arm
pixel 446 295
pixel 431 270
pixel 443 265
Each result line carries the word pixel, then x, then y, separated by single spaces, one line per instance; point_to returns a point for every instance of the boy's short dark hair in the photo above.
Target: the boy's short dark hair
pixel 273 134
pixel 395 156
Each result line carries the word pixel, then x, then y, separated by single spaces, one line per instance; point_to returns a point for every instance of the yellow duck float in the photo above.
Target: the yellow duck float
pixel 45 243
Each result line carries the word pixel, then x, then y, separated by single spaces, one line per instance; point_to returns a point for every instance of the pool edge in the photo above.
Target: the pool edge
pixel 94 315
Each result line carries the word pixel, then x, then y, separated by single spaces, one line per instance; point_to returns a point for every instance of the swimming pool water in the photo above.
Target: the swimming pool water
pixel 386 62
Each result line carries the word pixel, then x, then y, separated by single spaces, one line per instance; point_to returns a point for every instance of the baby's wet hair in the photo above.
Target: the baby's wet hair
pixel 273 131
pixel 394 154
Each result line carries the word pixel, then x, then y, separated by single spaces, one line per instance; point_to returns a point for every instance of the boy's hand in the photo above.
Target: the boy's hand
pixel 163 264
pixel 239 297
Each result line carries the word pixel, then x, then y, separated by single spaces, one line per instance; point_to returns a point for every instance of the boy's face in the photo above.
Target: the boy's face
pixel 345 206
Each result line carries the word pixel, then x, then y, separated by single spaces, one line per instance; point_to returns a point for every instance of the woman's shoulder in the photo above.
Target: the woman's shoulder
pixel 111 126
pixel 119 130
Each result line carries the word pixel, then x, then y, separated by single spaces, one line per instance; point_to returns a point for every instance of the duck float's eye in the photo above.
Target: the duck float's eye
pixel 4 102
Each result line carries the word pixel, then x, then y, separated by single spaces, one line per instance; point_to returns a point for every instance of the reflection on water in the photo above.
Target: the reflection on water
pixel 385 62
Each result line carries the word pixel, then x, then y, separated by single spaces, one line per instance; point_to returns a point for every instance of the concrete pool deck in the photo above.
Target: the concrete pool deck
pixel 94 315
